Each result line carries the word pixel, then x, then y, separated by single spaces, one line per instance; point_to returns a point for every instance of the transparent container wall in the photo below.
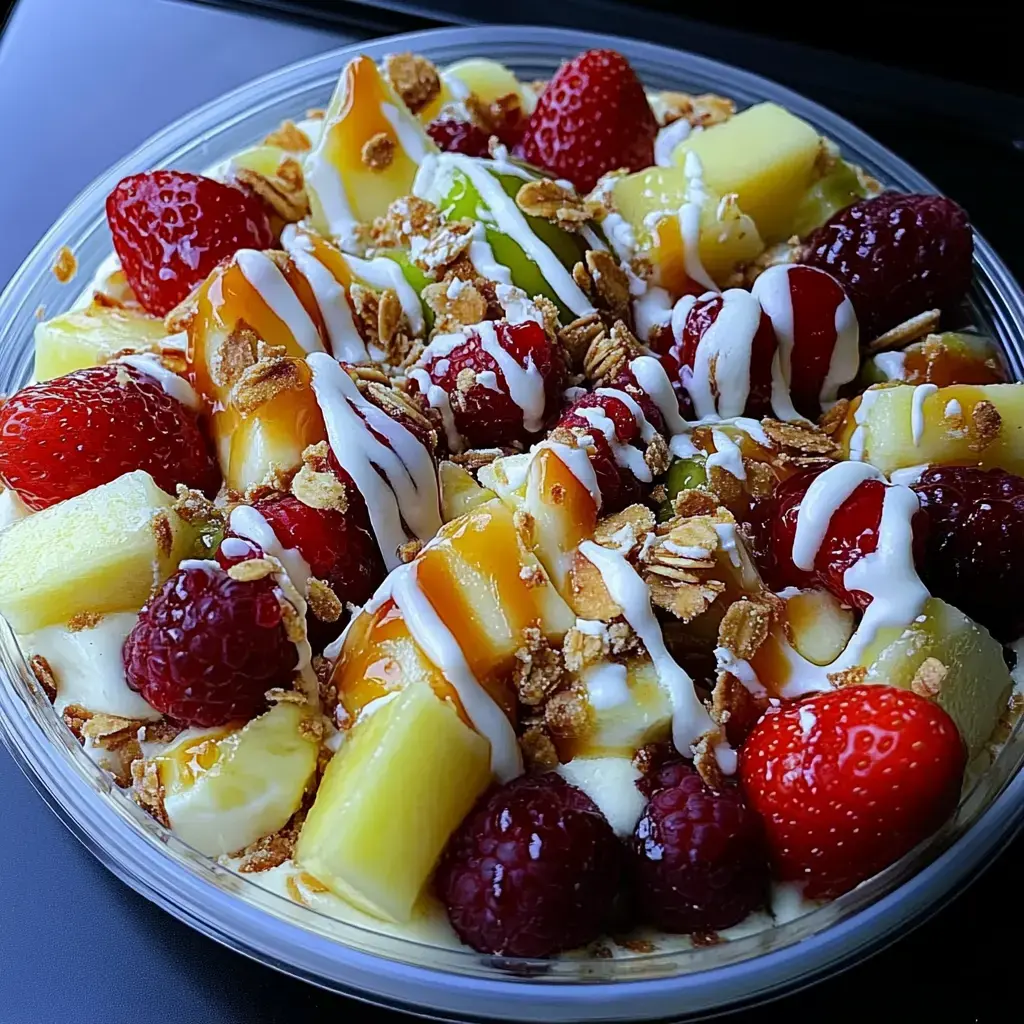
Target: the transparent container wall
pixel 461 983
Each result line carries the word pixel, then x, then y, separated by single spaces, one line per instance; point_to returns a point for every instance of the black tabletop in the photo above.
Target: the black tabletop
pixel 81 83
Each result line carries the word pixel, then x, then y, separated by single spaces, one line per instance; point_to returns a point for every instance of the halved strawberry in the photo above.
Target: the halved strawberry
pixel 592 118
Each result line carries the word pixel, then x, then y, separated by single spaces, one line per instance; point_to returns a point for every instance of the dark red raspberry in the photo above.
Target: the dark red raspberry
pixel 207 648
pixel 455 136
pixel 171 228
pixel 896 255
pixel 65 436
pixel 532 870
pixel 618 484
pixel 485 412
pixel 698 859
pixel 668 771
pixel 975 545
pixel 627 382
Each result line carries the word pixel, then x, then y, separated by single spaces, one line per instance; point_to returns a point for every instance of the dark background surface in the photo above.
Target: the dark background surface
pixel 84 81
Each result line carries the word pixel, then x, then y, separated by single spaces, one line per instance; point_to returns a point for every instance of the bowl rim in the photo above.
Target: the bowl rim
pixel 750 978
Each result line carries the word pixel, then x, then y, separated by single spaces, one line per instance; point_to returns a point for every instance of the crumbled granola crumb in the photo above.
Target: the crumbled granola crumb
pixel 734 708
pixel 414 78
pixel 294 623
pixel 262 381
pixel 985 425
pixel 273 850
pixel 539 670
pixel 701 111
pixel 533 576
pixel 834 418
pixel 323 602
pixel 147 790
pixel 44 676
pixel 319 488
pixel 706 763
pixel 637 945
pixel 194 507
pixel 160 524
pixel 252 569
pixel 848 677
pixel 552 201
pixel 928 678
pixel 65 266
pixel 903 334
pixel 378 152
pixel 408 217
pixel 450 241
pixel 539 752
pixel 622 639
pixel 84 620
pixel 567 713
pixel 409 550
pixel 290 136
pixel 606 283
pixel 579 649
pixel 283 192
pixel 744 627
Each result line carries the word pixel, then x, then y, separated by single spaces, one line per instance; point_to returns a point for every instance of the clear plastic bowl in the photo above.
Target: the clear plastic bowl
pixel 399 972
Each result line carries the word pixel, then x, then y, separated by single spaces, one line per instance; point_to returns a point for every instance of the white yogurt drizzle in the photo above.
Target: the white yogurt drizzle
pixel 437 398
pixel 689 221
pixel 265 276
pixel 508 220
pixel 891 364
pixel 921 392
pixel 481 255
pixel 442 649
pixel 397 480
pixel 331 298
pixel 177 387
pixel 667 139
pixel 858 439
pixel 384 273
pixel 411 137
pixel 690 719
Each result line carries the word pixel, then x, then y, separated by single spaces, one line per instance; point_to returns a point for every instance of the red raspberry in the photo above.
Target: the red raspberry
pixel 207 648
pixel 618 484
pixel 852 534
pixel 67 435
pixel 698 857
pixel 679 357
pixel 975 555
pixel 531 871
pixel 627 382
pixel 668 771
pixel 454 136
pixel 847 782
pixel 171 228
pixel 485 410
pixel 896 255
pixel 592 118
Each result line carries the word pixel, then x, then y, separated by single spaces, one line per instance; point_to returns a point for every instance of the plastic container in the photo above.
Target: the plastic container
pixel 398 972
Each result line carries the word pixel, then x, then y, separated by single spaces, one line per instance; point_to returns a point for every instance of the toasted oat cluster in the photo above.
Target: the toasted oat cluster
pixel 576 488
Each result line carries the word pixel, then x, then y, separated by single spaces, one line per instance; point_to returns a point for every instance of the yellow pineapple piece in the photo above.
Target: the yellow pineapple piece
pixel 963 424
pixel 365 115
pixel 403 780
pixel 460 493
pixel 651 200
pixel 91 336
pixel 766 156
pixel 102 551
pixel 226 788
pixel 488 80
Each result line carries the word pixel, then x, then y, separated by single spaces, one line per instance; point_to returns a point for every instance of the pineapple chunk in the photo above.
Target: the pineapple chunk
pixel 728 236
pixel 486 79
pixel 953 426
pixel 821 627
pixel 766 156
pixel 460 493
pixel 102 551
pixel 976 684
pixel 399 786
pixel 91 336
pixel 343 189
pixel 226 788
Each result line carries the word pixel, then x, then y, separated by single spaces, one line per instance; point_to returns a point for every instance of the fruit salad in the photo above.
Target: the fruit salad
pixel 554 518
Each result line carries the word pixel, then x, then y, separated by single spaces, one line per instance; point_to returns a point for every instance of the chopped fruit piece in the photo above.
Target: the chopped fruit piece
pixel 821 626
pixel 963 424
pixel 698 861
pixel 224 790
pixel 592 118
pixel 897 256
pixel 344 187
pixel 941 359
pixel 171 228
pixel 207 647
pixel 339 546
pixel 460 493
pixel 765 156
pixel 503 381
pixel 65 436
pixel 954 661
pixel 91 336
pixel 818 335
pixel 103 551
pixel 847 782
pixel 724 374
pixel 488 80
pixel 532 871
pixel 404 778
pixel 454 136
pixel 683 475
pixel 838 188
pixel 975 549
pixel 650 201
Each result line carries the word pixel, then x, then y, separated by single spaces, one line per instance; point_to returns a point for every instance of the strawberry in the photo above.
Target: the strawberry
pixel 171 228
pixel 592 118
pixel 849 781
pixel 65 436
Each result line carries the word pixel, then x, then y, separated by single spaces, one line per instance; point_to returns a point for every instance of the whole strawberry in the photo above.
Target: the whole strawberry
pixel 896 256
pixel 171 228
pixel 847 782
pixel 592 118
pixel 64 436
pixel 207 647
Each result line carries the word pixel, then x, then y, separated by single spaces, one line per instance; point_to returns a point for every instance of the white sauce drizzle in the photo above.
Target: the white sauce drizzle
pixel 578 463
pixel 667 139
pixel 384 273
pixel 437 398
pixel 173 385
pixel 891 364
pixel 773 294
pixel 652 310
pixel 727 455
pixel 921 392
pixel 397 479
pixel 410 135
pixel 265 276
pixel 689 221
pixel 858 439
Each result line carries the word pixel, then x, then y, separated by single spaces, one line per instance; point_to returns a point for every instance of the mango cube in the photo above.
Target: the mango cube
pixel 102 551
pixel 403 780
